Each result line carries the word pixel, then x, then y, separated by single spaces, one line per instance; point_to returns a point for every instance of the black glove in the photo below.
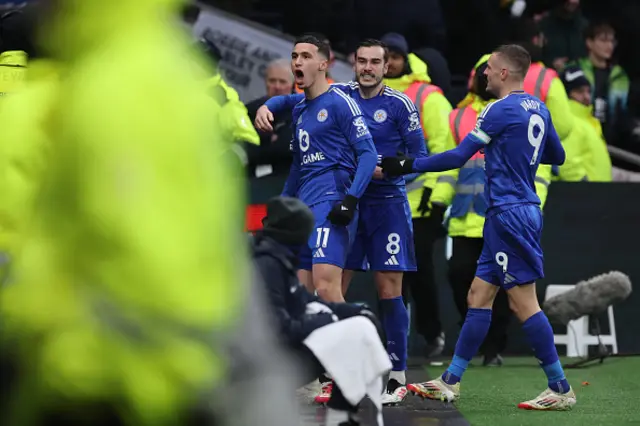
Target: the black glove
pixel 342 212
pixel 376 322
pixel 397 166
pixel 424 207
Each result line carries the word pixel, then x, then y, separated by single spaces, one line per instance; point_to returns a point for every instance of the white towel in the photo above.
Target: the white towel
pixel 352 353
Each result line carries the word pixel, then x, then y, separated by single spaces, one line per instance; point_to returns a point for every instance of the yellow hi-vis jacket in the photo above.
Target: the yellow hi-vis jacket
pixel 434 111
pixel 545 84
pixel 586 141
pixel 233 114
pixel 13 65
pixel 132 271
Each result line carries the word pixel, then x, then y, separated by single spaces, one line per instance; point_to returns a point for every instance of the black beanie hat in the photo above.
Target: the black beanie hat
pixel 289 221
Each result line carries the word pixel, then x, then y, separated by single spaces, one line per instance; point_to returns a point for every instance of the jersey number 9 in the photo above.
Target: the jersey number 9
pixel 535 141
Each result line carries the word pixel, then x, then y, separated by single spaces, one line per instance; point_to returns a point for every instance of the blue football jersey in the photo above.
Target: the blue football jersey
pixel 515 130
pixel 325 131
pixel 394 123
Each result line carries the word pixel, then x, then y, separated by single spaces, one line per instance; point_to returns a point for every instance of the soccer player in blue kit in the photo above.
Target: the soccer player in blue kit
pixel 517 134
pixel 385 230
pixel 333 162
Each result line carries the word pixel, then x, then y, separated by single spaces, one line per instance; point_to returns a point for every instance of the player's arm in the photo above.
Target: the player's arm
pixel 489 125
pixel 553 151
pixel 354 128
pixel 264 115
pixel 412 133
pixel 284 102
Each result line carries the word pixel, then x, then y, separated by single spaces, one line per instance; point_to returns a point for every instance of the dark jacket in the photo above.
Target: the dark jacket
pixel 288 299
pixel 274 146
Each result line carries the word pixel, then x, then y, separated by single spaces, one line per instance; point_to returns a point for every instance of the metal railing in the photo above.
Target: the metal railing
pixel 621 154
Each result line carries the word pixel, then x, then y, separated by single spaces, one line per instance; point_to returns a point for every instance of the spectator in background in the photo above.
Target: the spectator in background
pixel 408 74
pixel 545 84
pixel 274 150
pixel 563 29
pixel 609 82
pixel 586 139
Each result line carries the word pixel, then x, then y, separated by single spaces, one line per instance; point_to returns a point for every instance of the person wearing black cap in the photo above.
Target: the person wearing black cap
pixel 586 140
pixel 426 192
pixel 297 313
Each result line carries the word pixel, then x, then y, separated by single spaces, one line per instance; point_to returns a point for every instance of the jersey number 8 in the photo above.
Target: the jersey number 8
pixel 535 141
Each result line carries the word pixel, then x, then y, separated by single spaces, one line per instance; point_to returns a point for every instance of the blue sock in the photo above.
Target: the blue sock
pixel 474 330
pixel 395 320
pixel 540 336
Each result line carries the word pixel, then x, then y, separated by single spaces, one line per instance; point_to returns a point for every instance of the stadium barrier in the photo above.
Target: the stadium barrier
pixel 589 229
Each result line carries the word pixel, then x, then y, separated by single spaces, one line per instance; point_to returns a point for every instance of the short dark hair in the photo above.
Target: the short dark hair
pixel 595 29
pixel 323 47
pixel 517 56
pixel 372 42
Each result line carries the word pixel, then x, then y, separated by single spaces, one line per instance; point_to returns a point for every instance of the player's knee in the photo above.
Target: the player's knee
pixel 481 294
pixel 523 301
pixel 389 284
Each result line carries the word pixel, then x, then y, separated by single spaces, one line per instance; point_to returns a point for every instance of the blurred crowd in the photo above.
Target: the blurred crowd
pixel 449 37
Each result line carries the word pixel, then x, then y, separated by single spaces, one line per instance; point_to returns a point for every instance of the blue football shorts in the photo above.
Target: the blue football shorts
pixel 328 243
pixel 511 254
pixel 385 238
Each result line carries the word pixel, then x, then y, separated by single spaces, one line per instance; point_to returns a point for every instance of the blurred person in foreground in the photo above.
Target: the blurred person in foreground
pixel 545 84
pixel 468 212
pixel 297 313
pixel 16 48
pixel 274 145
pixel 25 144
pixel 408 74
pixel 517 135
pixel 131 284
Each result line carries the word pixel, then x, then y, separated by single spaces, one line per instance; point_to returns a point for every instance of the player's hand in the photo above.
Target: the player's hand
pixel 342 212
pixel 377 173
pixel 264 118
pixel 397 166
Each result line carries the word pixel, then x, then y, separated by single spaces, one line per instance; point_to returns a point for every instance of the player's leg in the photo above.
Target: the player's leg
pixel 521 264
pixel 474 330
pixel 390 252
pixel 306 279
pixel 496 340
pixel 330 245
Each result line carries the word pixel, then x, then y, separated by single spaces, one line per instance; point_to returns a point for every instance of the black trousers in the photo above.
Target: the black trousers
pixel 422 284
pixel 311 369
pixel 462 270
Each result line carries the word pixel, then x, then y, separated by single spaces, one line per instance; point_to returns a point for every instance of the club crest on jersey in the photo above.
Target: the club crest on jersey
pixel 323 115
pixel 414 121
pixel 361 127
pixel 380 115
